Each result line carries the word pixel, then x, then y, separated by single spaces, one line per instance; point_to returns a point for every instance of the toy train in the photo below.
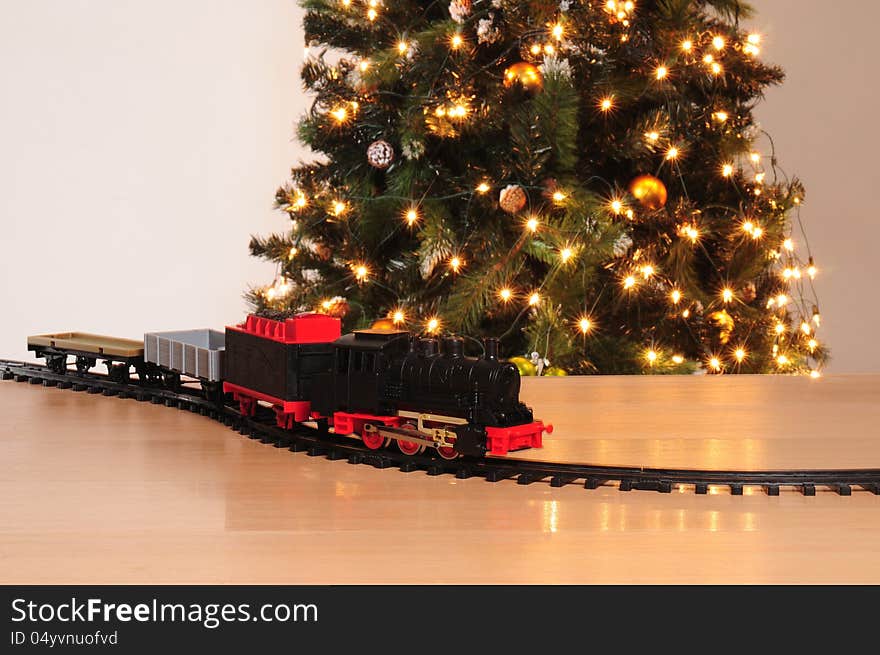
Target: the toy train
pixel 382 385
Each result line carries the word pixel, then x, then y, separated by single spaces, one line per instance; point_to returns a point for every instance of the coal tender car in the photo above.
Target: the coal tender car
pixel 385 386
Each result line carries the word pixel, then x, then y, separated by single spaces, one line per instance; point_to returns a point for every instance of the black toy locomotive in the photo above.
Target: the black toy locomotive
pixel 382 385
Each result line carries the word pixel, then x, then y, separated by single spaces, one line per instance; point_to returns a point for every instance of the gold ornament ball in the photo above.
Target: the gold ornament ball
pixel 649 191
pixel 512 198
pixel 384 324
pixel 525 367
pixel 555 371
pixel 526 74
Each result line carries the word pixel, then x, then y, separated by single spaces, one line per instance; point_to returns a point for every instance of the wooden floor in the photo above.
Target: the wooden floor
pixel 102 490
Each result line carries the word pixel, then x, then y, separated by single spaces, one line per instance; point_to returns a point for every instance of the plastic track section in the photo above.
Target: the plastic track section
pixel 312 441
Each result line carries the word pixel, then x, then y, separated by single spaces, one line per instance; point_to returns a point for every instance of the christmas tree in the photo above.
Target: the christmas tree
pixel 585 180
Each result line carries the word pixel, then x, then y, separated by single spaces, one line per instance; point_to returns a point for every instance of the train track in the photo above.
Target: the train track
pixel 591 476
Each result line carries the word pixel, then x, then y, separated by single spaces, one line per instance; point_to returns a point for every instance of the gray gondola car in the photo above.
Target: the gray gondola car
pixel 194 353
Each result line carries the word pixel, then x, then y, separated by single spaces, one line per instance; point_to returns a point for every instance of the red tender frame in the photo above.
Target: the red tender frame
pixel 353 423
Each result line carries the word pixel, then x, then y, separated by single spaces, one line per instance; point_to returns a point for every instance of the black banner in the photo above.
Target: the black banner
pixel 397 619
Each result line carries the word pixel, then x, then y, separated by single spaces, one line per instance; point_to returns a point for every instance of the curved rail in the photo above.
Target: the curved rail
pixel 315 442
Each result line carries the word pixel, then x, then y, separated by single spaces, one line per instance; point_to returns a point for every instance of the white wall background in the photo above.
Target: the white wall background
pixel 141 143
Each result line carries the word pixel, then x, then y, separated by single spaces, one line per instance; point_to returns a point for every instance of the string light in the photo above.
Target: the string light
pixel 534 299
pixel 653 137
pixel 558 31
pixel 690 232
pixel 651 356
pixel 402 47
pixel 338 208
pixel 716 68
pixel 672 153
pixel 718 42
pixel 740 354
pixel 398 316
pixel 780 328
pixel 647 271
pixel 687 45
pixel 455 264
pixel 412 216
pixel 558 196
pixel 360 272
pixel 433 324
pixel 715 364
pixel 299 200
pixel 686 313
pixel 783 360
pixel 815 374
pixel 505 294
pixel 788 244
pixel 616 206
pixel 565 254
pixel 677 359
pixel 532 224
pixel 340 114
pixel 661 73
pixel 812 344
pixel 675 296
pixel 327 305
pixel 292 253
pixel 721 116
pixel 456 41
pixel 727 295
pixel 757 232
pixel 607 104
pixel 482 187
pixel 727 170
pixel 585 324
pixel 372 14
pixel 812 271
pixel 806 329
pixel 759 178
pixel 751 45
pixel 629 282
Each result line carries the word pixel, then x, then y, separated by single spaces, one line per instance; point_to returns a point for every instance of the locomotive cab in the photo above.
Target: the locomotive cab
pixel 360 362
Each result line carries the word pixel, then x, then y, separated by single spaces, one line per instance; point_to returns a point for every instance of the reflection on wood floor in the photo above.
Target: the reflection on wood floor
pixel 98 489
pixel 733 422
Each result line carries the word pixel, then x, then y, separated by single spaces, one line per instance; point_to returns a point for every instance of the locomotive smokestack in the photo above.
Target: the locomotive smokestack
pixel 491 348
pixel 453 347
pixel 430 347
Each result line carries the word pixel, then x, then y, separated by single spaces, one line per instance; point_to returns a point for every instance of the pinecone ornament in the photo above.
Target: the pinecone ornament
pixel 512 198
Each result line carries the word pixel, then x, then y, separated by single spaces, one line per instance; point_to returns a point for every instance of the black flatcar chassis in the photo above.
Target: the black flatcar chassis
pixel 315 441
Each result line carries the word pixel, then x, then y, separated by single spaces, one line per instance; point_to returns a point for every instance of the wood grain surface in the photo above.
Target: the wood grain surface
pixel 103 490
